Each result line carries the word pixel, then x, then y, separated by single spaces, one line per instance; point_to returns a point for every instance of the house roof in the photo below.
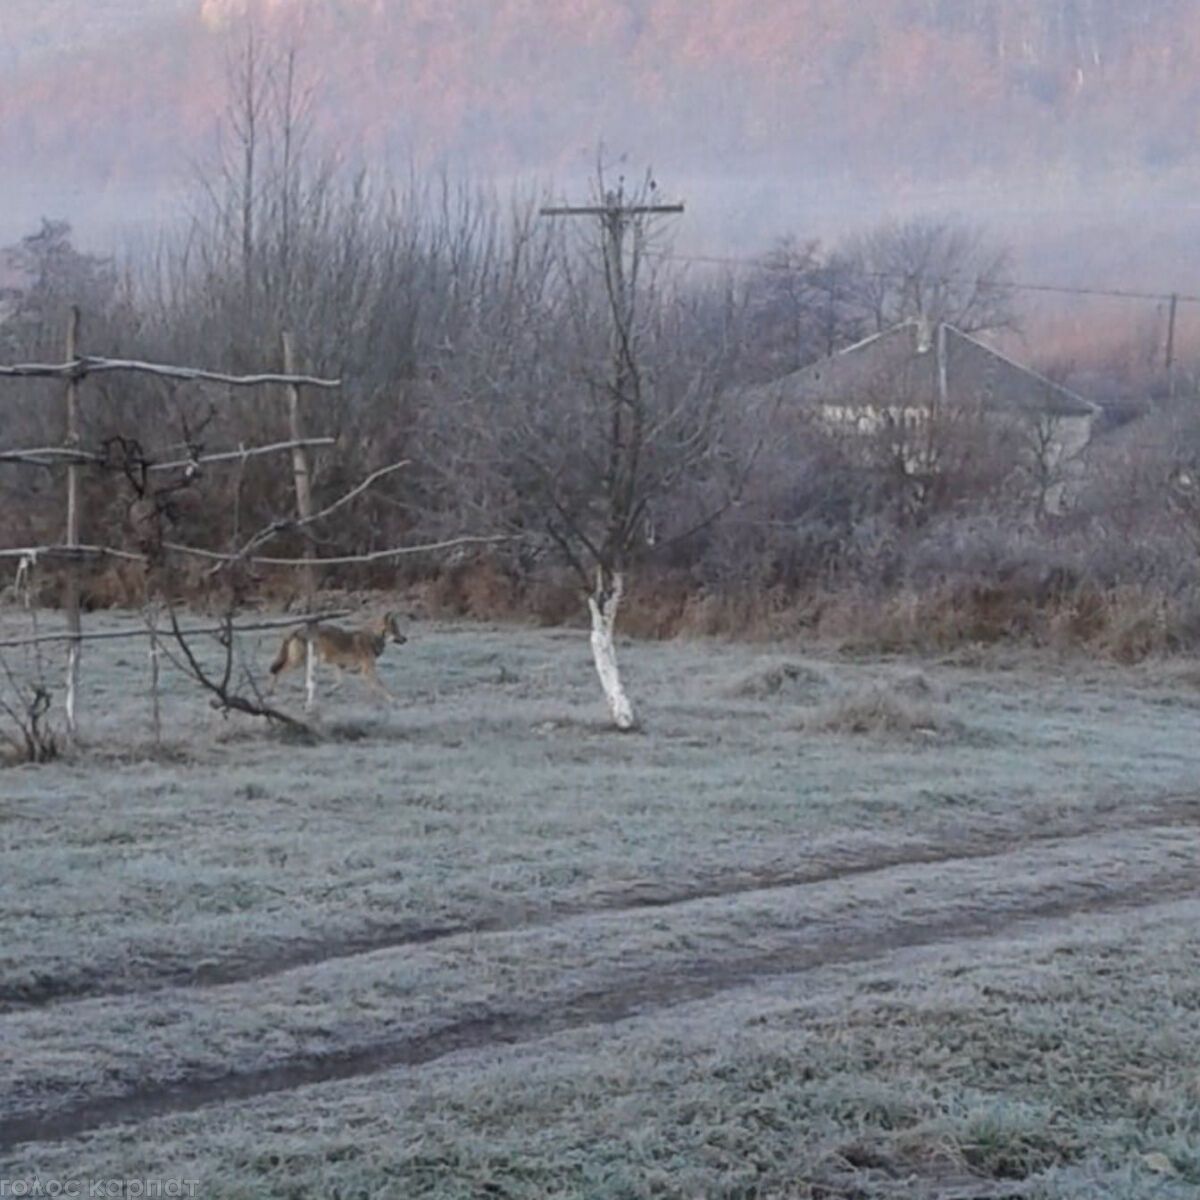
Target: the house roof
pixel 900 365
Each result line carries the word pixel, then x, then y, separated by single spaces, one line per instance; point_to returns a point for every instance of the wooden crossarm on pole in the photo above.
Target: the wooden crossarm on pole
pixel 606 210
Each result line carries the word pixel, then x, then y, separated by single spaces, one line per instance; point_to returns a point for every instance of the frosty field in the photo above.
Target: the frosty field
pixel 824 928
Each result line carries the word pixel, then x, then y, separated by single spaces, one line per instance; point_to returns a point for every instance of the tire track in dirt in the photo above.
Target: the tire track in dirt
pixel 641 992
pixel 973 843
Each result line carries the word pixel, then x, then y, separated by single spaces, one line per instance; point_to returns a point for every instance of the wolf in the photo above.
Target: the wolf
pixel 343 649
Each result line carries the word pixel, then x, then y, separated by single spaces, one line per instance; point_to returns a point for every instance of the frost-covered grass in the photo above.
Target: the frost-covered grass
pixel 658 905
pixel 1062 1064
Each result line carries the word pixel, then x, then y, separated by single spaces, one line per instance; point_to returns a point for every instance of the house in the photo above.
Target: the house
pixel 910 384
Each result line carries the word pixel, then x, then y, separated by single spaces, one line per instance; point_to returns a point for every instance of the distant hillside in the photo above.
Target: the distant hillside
pixel 1067 95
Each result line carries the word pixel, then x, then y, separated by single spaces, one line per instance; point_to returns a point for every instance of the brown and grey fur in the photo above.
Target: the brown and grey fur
pixel 343 649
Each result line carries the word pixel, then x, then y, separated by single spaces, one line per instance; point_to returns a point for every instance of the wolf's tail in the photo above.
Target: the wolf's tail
pixel 285 652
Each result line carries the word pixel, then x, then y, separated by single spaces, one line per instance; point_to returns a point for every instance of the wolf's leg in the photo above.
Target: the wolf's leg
pixel 371 675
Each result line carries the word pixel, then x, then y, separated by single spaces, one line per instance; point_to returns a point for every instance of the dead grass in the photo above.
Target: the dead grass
pixel 879 710
pixel 786 679
pixel 1126 624
pixel 1185 674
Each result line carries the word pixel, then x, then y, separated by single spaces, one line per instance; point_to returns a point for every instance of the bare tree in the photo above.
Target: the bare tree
pixel 601 411
pixel 50 276
pixel 25 704
pixel 928 268
pixel 1048 459
pixel 799 307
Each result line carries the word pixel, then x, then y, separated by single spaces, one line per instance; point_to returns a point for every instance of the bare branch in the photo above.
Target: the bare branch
pixel 224 699
pixel 287 524
pixel 238 455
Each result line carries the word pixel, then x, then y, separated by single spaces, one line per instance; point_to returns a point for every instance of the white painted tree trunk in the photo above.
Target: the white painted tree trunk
pixel 603 607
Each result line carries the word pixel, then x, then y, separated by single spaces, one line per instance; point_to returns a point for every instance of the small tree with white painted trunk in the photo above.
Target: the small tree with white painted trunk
pixel 634 417
pixel 579 411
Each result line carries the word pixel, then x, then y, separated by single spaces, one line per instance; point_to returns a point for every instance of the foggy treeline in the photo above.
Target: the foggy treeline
pixel 830 108
pixel 475 339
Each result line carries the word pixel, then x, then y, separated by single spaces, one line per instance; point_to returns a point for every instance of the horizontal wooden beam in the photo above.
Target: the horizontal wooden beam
pixel 54 456
pixel 339 560
pixel 80 368
pixel 49 456
pixel 69 553
pixel 118 634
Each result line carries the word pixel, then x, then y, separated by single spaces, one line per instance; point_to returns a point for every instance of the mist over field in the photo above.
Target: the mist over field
pixel 1065 126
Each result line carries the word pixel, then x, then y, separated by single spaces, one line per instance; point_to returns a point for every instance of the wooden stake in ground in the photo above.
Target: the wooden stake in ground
pixel 71 591
pixel 300 472
pixel 300 468
pixel 155 653
pixel 310 673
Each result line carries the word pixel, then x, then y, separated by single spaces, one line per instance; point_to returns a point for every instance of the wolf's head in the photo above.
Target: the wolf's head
pixel 389 627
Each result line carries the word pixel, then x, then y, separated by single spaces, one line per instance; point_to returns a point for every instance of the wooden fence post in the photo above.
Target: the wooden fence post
pixel 300 467
pixel 71 590
pixel 155 654
pixel 303 478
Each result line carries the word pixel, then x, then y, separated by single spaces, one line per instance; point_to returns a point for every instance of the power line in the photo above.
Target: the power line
pixel 1111 293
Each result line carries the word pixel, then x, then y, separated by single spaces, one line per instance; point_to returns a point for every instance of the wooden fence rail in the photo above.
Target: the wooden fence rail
pixel 58 456
pixel 77 367
pixel 82 553
pixel 110 635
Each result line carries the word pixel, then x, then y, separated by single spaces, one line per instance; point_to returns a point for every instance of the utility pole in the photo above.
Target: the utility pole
pixel 615 216
pixel 613 213
pixel 626 434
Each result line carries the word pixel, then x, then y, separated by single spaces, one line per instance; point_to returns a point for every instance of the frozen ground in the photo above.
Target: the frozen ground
pixel 826 928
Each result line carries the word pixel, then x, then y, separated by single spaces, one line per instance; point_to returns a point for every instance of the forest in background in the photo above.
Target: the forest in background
pixel 821 112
